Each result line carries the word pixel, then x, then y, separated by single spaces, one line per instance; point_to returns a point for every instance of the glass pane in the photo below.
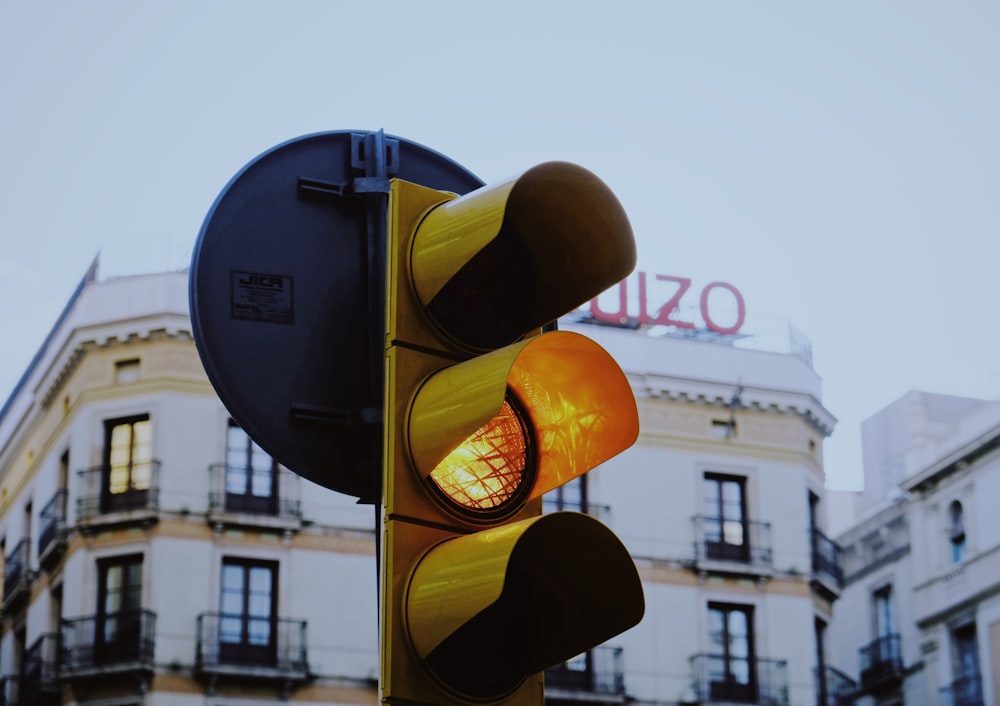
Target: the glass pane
pixel 262 480
pixel 260 580
pixel 110 630
pixel 113 589
pixel 232 604
pixel 236 480
pixel 711 497
pixel 141 474
pixel 740 670
pixel 259 606
pixel 259 458
pixel 733 533
pixel 230 629
pixel 259 631
pixel 732 500
pixel 232 578
pixel 739 643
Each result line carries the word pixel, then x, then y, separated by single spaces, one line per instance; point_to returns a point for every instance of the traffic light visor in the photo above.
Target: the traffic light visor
pixel 500 261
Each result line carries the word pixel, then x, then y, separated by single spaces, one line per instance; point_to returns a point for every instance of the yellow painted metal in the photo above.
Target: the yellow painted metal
pixel 488 610
pixel 455 402
pixel 571 236
pixel 474 615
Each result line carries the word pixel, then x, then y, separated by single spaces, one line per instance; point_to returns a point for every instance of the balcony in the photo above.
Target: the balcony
pixel 39 684
pixel 718 679
pixel 136 502
pixel 54 530
pixel 881 664
pixel 836 688
pixel 965 691
pixel 271 500
pixel 17 576
pixel 242 647
pixel 732 546
pixel 827 564
pixel 594 676
pixel 113 643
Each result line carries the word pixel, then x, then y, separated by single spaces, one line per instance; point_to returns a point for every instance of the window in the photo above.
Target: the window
pixel 128 463
pixel 725 518
pixel 247 625
pixel 119 609
pixel 251 474
pixel 127 371
pixel 732 671
pixel 956 534
pixel 571 496
pixel 966 686
pixel 882 599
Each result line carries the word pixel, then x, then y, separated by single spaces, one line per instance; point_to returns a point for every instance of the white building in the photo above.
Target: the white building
pixel 155 556
pixel 920 611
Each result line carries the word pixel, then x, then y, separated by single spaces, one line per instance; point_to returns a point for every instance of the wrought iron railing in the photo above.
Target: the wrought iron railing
pixel 276 495
pixel 597 671
pixel 827 558
pixel 95 641
pixel 881 659
pixel 246 641
pixel 16 569
pixel 40 668
pixel 599 512
pixel 9 690
pixel 738 541
pixel 141 492
pixel 740 679
pixel 835 688
pixel 53 521
pixel 966 690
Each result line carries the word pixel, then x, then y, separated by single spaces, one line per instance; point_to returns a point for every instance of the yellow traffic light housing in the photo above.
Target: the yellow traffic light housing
pixel 485 413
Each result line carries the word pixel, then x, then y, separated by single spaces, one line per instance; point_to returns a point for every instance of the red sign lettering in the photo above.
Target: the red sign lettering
pixel 668 313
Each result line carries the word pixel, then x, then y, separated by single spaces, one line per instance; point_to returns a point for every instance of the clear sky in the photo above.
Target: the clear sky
pixel 839 163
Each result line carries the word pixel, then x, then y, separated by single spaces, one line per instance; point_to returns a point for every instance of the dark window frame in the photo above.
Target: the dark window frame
pixel 721 547
pixel 135 493
pixel 118 631
pixel 731 687
pixel 248 648
pixel 248 498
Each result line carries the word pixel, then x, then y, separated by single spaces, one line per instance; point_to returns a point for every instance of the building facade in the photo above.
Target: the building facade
pixel 920 611
pixel 155 555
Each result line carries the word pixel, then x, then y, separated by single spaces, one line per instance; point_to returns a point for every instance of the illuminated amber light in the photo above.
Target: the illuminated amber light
pixel 489 469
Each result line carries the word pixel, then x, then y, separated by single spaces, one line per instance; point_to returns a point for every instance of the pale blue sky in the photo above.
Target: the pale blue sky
pixel 838 162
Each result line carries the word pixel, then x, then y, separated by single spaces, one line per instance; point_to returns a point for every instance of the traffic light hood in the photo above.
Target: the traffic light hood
pixel 508 258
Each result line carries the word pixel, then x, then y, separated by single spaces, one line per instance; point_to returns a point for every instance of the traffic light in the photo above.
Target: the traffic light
pixel 485 411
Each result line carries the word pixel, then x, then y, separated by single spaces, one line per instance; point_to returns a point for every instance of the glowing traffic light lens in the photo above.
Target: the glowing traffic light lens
pixel 491 470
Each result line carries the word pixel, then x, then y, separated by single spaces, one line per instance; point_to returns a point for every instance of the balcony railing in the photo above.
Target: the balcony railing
pixel 243 645
pixel 881 662
pixel 97 643
pixel 598 671
pixel 599 512
pixel 17 575
pixel 827 559
pixel 736 542
pixel 40 669
pixel 53 530
pixel 102 502
pixel 740 680
pixel 967 690
pixel 9 690
pixel 836 688
pixel 275 494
